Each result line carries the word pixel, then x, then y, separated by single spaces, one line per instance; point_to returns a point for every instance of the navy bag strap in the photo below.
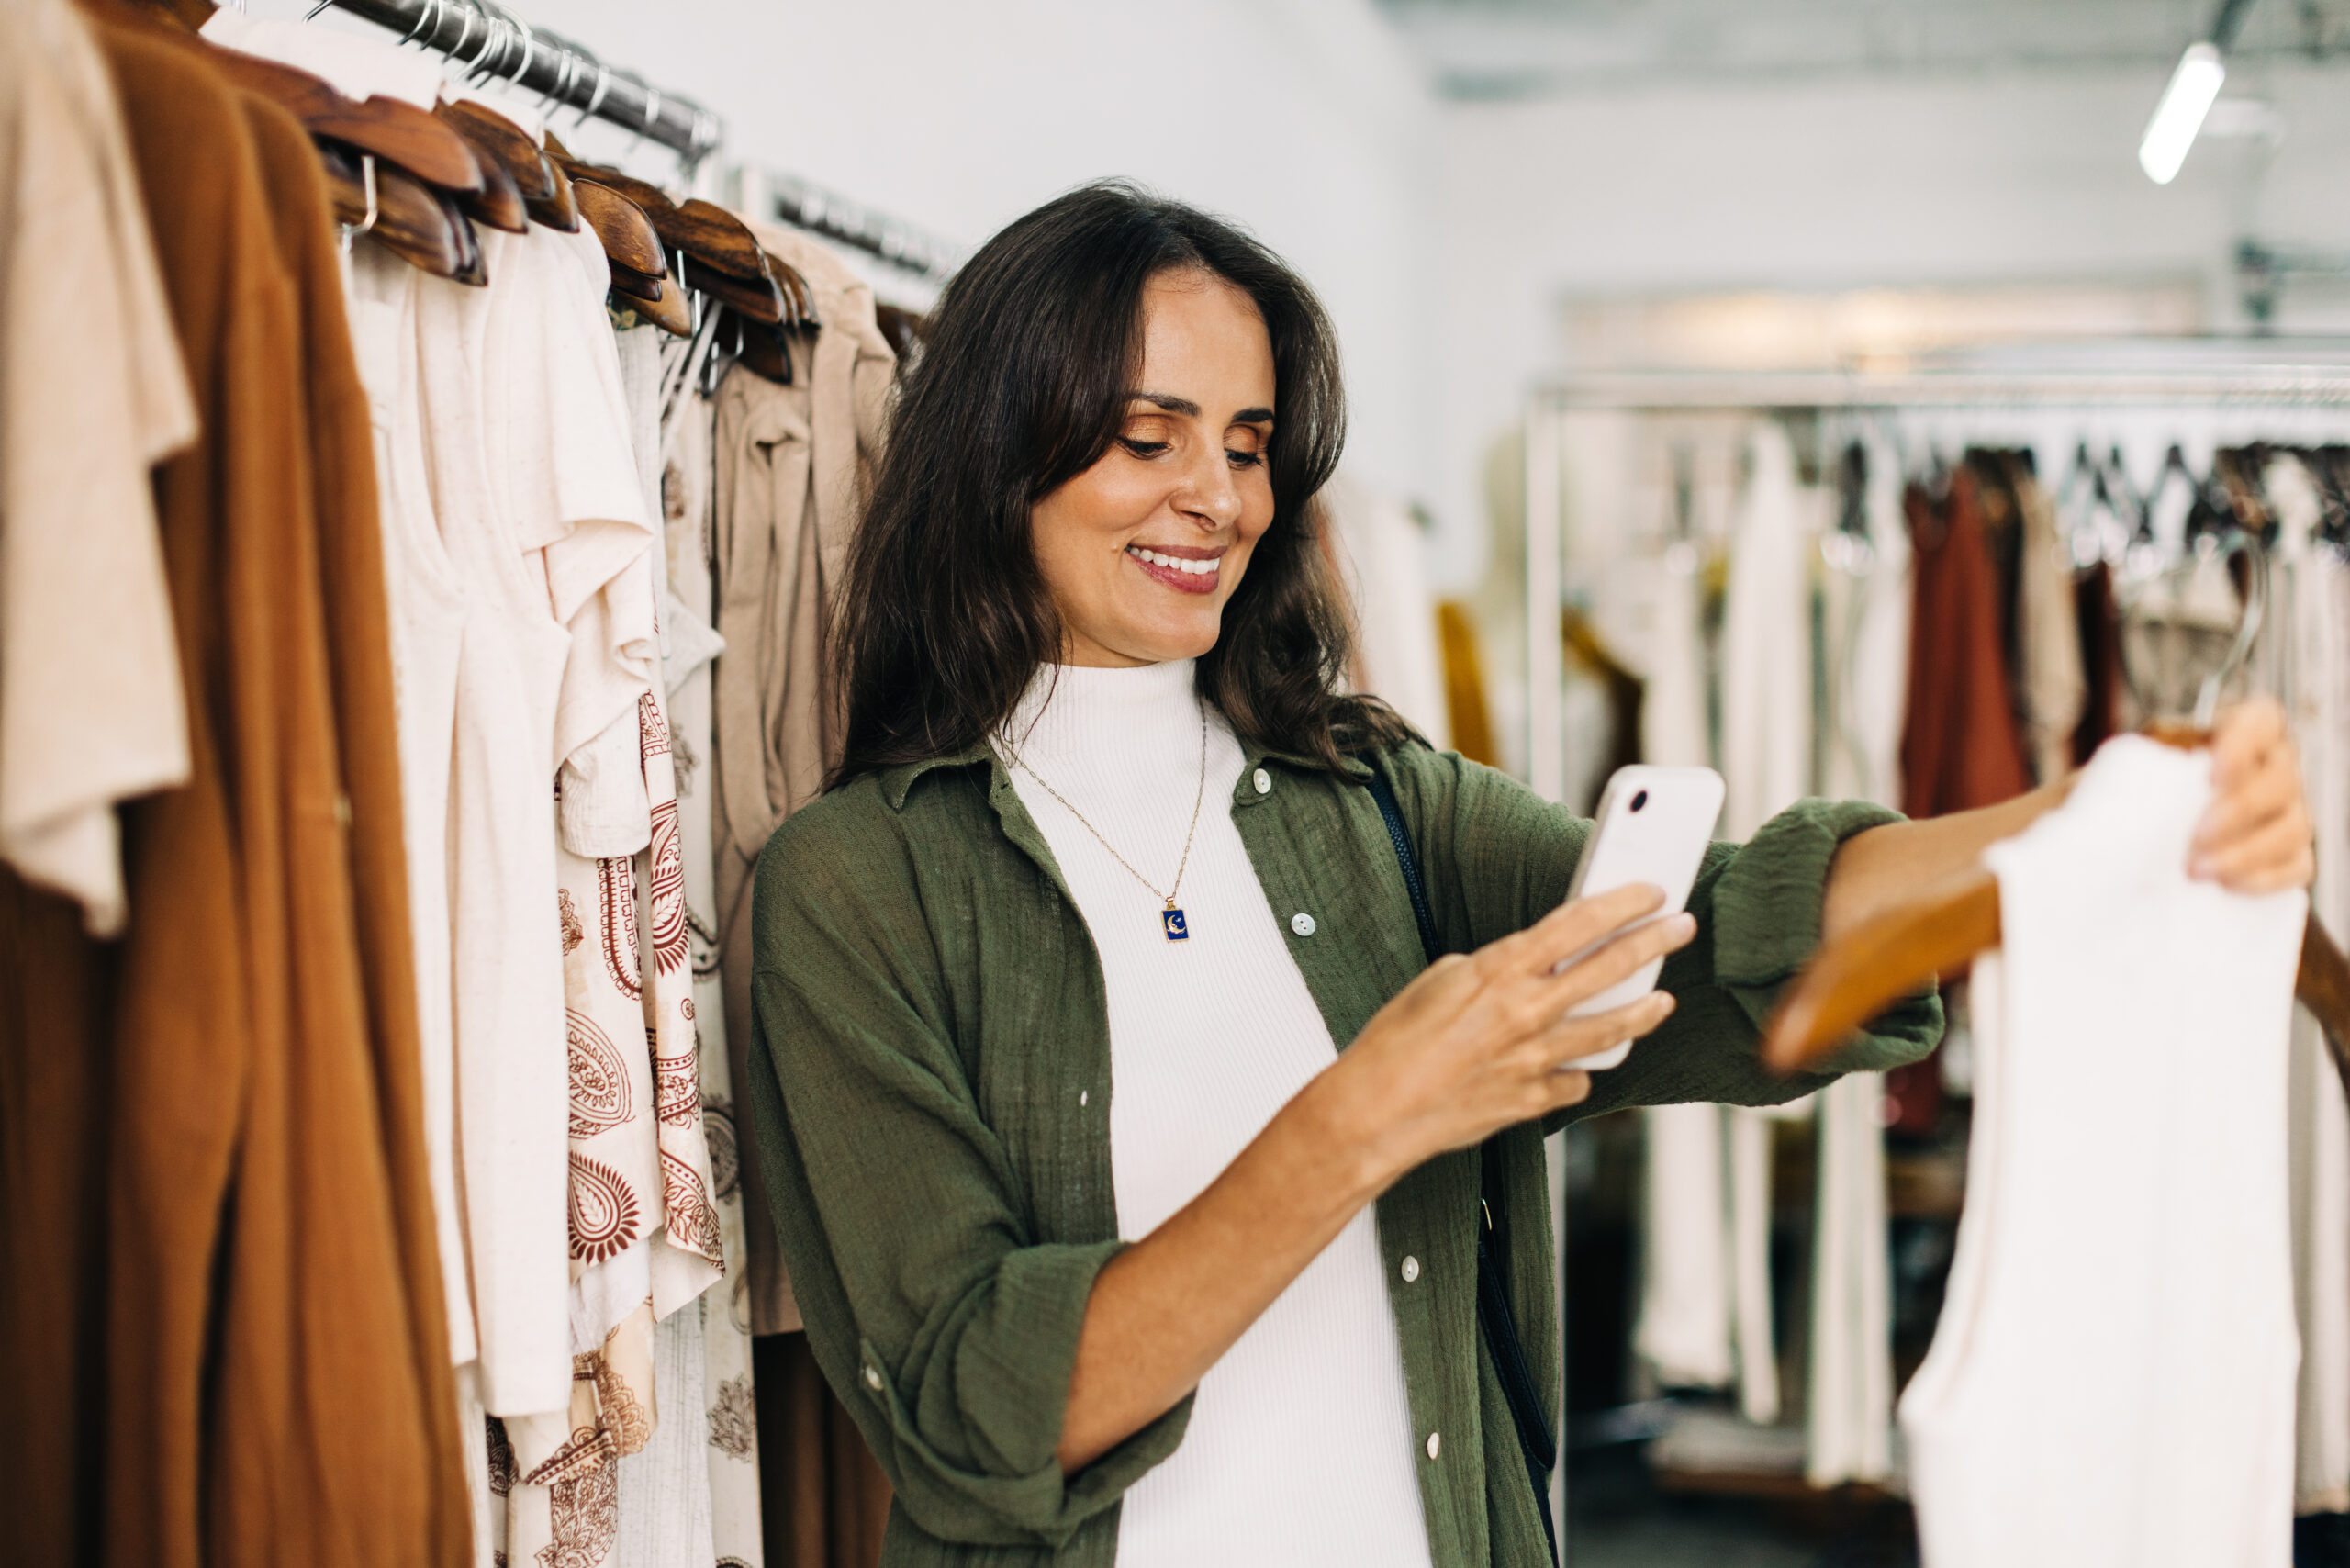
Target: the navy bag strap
pixel 1536 1445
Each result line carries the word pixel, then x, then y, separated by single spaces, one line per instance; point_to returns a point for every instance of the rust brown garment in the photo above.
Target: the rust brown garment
pixel 1959 744
pixel 823 1497
pixel 2100 624
pixel 256 1373
pixel 54 981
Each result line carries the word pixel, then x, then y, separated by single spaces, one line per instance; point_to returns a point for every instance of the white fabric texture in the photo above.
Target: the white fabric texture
pixel 1684 1330
pixel 1848 1405
pixel 535 488
pixel 665 1516
pixel 2311 607
pixel 426 600
pixel 2113 1379
pixel 93 395
pixel 1301 1446
pixel 1383 557
pixel 1766 763
pixel 507 962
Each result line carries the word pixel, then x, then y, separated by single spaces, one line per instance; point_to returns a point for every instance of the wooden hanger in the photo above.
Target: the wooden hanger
pixel 559 210
pixel 414 221
pixel 634 283
pixel 762 350
pixel 1940 933
pixel 761 301
pixel 664 304
pixel 721 240
pixel 621 225
pixel 394 132
pixel 904 329
pixel 499 202
pixel 506 142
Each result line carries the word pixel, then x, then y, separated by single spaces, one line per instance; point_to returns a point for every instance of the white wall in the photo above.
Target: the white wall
pixel 1303 120
pixel 1821 184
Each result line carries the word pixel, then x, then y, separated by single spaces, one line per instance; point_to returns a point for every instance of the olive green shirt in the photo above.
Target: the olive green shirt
pixel 931 1083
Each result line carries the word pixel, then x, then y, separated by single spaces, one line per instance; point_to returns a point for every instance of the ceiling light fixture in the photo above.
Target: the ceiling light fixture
pixel 2193 85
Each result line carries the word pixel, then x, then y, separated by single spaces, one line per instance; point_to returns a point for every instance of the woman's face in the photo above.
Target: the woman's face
pixel 1141 551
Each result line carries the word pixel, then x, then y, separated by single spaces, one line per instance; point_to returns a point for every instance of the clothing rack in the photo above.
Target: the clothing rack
pixel 789 199
pixel 496 44
pixel 2152 374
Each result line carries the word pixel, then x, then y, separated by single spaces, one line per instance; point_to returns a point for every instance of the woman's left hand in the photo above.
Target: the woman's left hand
pixel 2255 836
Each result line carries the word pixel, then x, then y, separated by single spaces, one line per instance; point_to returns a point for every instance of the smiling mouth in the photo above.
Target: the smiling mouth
pixel 1185 574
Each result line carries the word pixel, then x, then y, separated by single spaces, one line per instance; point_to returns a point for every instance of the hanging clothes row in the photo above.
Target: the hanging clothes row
pixel 1937 607
pixel 377 808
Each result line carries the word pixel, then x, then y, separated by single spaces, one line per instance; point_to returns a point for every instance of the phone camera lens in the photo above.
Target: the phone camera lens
pixel 1640 800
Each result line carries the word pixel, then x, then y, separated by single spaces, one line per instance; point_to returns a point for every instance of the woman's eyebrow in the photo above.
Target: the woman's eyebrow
pixel 1191 411
pixel 1168 401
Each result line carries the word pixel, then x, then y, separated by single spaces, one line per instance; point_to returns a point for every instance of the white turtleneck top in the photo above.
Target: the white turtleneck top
pixel 1300 1448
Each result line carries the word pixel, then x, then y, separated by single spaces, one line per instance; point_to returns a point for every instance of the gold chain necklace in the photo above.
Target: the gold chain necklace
pixel 1170 918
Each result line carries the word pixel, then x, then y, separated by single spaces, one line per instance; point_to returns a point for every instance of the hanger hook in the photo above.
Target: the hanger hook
pixel 367 179
pixel 596 99
pixel 427 21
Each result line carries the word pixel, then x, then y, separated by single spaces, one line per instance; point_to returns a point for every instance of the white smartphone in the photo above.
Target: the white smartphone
pixel 1652 825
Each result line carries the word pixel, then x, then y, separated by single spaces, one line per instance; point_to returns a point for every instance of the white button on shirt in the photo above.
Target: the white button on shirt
pixel 1436 1443
pixel 1302 922
pixel 1264 782
pixel 1411 1270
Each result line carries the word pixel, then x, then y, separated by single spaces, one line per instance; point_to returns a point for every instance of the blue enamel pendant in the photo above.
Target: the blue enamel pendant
pixel 1172 918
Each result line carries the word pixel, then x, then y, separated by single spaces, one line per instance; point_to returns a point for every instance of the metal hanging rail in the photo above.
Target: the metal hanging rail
pixel 2271 382
pixel 795 201
pixel 491 42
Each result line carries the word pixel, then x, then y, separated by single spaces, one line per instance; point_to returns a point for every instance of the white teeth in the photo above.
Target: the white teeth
pixel 1190 568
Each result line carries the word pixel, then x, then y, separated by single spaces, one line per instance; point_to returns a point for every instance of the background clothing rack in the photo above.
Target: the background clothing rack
pixel 2245 373
pixel 497 45
pixel 788 199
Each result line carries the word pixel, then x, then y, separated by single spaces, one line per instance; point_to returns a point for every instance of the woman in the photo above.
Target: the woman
pixel 1110 1252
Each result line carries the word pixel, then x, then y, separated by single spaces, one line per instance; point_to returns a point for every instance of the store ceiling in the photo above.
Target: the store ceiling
pixel 1488 49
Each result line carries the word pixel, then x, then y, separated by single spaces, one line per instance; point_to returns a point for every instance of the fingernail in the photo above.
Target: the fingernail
pixel 2198 867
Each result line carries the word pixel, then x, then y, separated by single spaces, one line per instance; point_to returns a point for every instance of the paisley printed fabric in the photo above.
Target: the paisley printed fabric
pixel 646 1237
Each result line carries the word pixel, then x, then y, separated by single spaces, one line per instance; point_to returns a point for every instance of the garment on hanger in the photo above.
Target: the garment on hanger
pixel 1468 719
pixel 1848 1406
pixel 2310 611
pixel 731 1453
pixel 260 1207
pixel 790 464
pixel 2055 686
pixel 1766 708
pixel 1383 560
pixel 1959 744
pixel 91 709
pixel 2113 1379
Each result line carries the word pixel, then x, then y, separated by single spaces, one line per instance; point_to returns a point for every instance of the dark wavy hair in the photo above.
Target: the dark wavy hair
pixel 944 617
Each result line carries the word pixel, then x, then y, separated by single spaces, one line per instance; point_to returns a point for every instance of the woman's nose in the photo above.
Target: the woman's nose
pixel 1209 493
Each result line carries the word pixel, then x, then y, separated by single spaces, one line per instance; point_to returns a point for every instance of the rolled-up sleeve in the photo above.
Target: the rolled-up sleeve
pixel 1499 858
pixel 945 1326
pixel 1758 909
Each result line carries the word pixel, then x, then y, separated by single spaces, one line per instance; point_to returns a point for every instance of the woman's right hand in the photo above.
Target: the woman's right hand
pixel 1483 1042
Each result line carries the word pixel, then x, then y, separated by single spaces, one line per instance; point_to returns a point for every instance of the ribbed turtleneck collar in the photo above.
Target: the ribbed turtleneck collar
pixel 1080 718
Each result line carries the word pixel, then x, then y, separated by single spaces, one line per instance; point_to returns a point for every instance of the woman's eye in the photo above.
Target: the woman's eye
pixel 1143 448
pixel 1244 459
